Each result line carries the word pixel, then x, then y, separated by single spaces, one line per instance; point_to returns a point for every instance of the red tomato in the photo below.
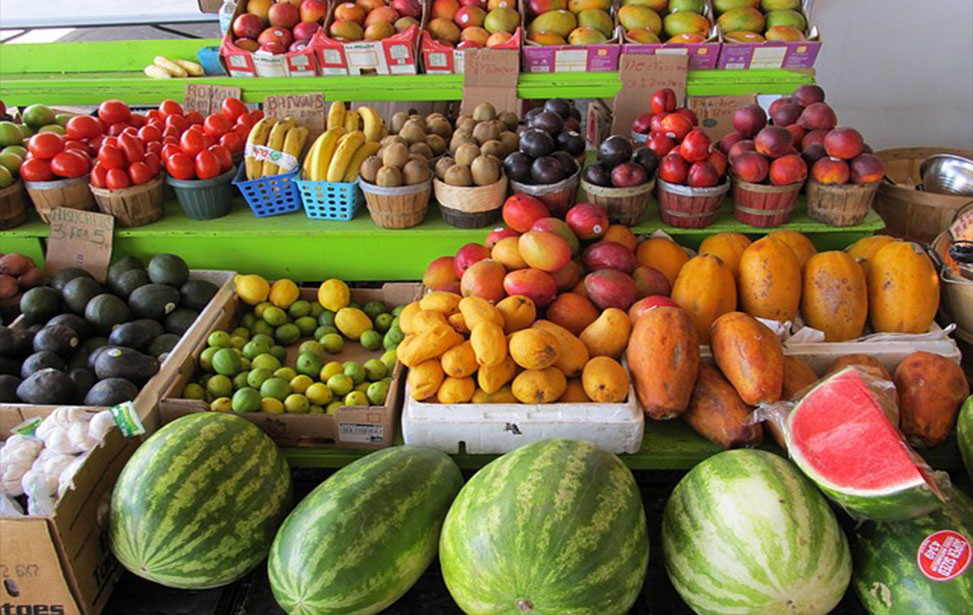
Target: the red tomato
pixel 158 123
pixel 209 140
pixel 96 142
pixel 169 149
pixel 257 115
pixel 170 139
pixel 116 179
pixel 169 107
pixel 73 144
pixel 155 114
pixel 217 125
pixel 113 141
pixel 224 157
pixel 192 142
pixel 179 122
pixel 152 160
pixel 149 133
pixel 180 166
pixel 111 157
pixel 114 111
pixel 207 165
pixel 70 164
pixel 195 117
pixel 92 151
pixel 131 130
pixel 45 145
pixel 131 147
pixel 241 131
pixel 83 127
pixel 36 170
pixel 245 120
pixel 140 173
pixel 232 108
pixel 104 126
pixel 232 142
pixel 153 147
pixel 82 152
pixel 99 175
pixel 138 120
pixel 117 129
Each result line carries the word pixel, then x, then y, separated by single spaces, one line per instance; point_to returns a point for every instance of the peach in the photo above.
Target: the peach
pixel 813 136
pixel 532 283
pixel 719 161
pixel 660 143
pixel 740 147
pixel 818 115
pixel 673 168
pixel 558 227
pixel 469 16
pixel 347 30
pixel 545 251
pixel 507 253
pixel 621 234
pixel 349 11
pixel 783 100
pixel 499 233
pixel 843 142
pixel 643 35
pixel 789 169
pixel 588 221
pixel 404 23
pixel 379 30
pixel 689 113
pixel 749 119
pixel 676 126
pixel 498 38
pixel 702 175
pixel 650 281
pixel 831 171
pixel 608 255
pixel 729 140
pixel 568 276
pixel 695 147
pixel 484 279
pixel 573 311
pixel 610 288
pixel 382 13
pixel 521 211
pixel 809 94
pixel 444 30
pixel 786 114
pixel 773 141
pixel 474 34
pixel 867 169
pixel 797 132
pixel 751 167
pixel 468 255
pixel 645 304
pixel 439 273
pixel 368 5
pixel 444 9
pixel 813 152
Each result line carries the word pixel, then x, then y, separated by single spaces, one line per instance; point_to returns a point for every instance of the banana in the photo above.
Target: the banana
pixel 310 158
pixel 294 141
pixel 343 155
pixel 194 69
pixel 367 149
pixel 351 120
pixel 258 136
pixel 276 141
pixel 371 123
pixel 156 72
pixel 169 66
pixel 336 114
pixel 325 151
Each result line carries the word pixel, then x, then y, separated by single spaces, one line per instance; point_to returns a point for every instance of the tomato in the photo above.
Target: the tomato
pixel 153 147
pixel 232 108
pixel 241 131
pixel 96 142
pixel 154 115
pixel 180 166
pixel 116 179
pixel 152 160
pixel 70 164
pixel 117 129
pixel 113 141
pixel 149 133
pixel 217 125
pixel 45 145
pixel 158 123
pixel 98 175
pixel 224 157
pixel 232 142
pixel 192 142
pixel 73 144
pixel 209 140
pixel 104 126
pixel 138 120
pixel 257 115
pixel 170 139
pixel 131 147
pixel 170 107
pixel 36 170
pixel 114 111
pixel 92 150
pixel 180 123
pixel 140 173
pixel 111 157
pixel 207 165
pixel 83 127
pixel 131 130
pixel 169 149
pixel 195 117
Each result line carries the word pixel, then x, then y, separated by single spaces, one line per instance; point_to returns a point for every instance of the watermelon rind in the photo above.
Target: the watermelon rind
pixel 964 434
pixel 887 576
pixel 363 537
pixel 897 502
pixel 555 527
pixel 199 502
pixel 745 533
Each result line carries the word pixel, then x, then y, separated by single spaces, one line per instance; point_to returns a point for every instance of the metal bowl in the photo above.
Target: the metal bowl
pixel 947 174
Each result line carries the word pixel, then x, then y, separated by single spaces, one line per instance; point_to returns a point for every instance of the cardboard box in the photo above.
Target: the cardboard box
pixel 242 63
pixel 773 54
pixel 395 55
pixel 61 564
pixel 602 58
pixel 702 56
pixel 362 427
pixel 439 59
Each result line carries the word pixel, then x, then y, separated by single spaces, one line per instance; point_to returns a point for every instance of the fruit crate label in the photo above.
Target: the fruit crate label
pixel 944 555
pixel 285 161
pixel 307 110
pixel 80 239
pixel 27 427
pixel 641 76
pixel 361 432
pixel 127 419
pixel 490 75
pixel 205 98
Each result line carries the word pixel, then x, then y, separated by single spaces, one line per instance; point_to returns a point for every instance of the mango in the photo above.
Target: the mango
pixel 659 6
pixel 489 343
pixel 780 5
pixel 693 6
pixel 586 36
pixel 439 301
pixel 502 20
pixel 597 19
pixel 460 361
pixel 722 6
pixel 577 6
pixel 539 386
pixel 547 38
pixel 637 16
pixel 425 379
pixel 558 22
pixel 685 22
pixel 785 18
pixel 492 378
pixel 742 36
pixel 741 19
pixel 456 391
pixel 605 381
pixel 783 33
pixel 642 35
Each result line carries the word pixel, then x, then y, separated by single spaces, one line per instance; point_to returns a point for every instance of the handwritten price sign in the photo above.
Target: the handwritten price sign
pixel 80 239
pixel 490 76
pixel 205 98
pixel 641 76
pixel 308 110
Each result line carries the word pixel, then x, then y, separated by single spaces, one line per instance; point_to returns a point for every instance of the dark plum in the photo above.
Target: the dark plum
pixel 546 170
pixel 530 115
pixel 536 143
pixel 549 122
pixel 648 159
pixel 572 142
pixel 615 150
pixel 567 161
pixel 517 166
pixel 599 175
pixel 560 106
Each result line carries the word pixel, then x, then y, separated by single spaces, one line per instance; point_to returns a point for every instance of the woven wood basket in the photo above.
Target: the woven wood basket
pixel 762 205
pixel 957 291
pixel 910 213
pixel 470 207
pixel 624 205
pixel 840 205
pixel 13 206
pixel 132 206
pixel 687 207
pixel 559 197
pixel 400 207
pixel 48 196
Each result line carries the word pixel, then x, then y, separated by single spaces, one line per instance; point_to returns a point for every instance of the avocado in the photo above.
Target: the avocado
pixel 40 303
pixel 179 321
pixel 41 360
pixel 111 392
pixel 153 301
pixel 120 362
pixel 105 311
pixel 133 334
pixel 153 325
pixel 196 294
pixel 129 281
pixel 59 339
pixel 15 343
pixel 168 269
pixel 78 361
pixel 10 366
pixel 48 386
pixel 121 266
pixel 8 388
pixel 162 345
pixel 80 325
pixel 91 344
pixel 79 291
pixel 83 380
pixel 62 277
pixel 93 356
pixel 6 342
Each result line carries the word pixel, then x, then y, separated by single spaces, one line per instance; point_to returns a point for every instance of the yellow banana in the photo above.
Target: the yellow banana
pixel 194 69
pixel 169 66
pixel 336 114
pixel 351 120
pixel 258 136
pixel 309 159
pixel 325 151
pixel 294 141
pixel 276 141
pixel 367 149
pixel 342 156
pixel 371 123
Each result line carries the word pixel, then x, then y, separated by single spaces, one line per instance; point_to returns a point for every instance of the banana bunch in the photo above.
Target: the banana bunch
pixel 350 138
pixel 165 68
pixel 283 136
pixel 363 118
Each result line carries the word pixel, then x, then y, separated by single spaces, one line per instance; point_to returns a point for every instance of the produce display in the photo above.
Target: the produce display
pixel 679 21
pixel 339 153
pixel 372 20
pixel 473 24
pixel 578 22
pixel 550 145
pixel 283 137
pixel 620 166
pixel 278 27
pixel 756 21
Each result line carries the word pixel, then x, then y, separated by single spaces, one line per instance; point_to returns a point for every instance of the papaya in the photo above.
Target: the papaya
pixel 425 379
pixel 460 361
pixel 518 313
pixel 477 309
pixel 663 358
pixel 903 289
pixel 574 393
pixel 931 389
pixel 750 356
pixel 608 335
pixel 443 302
pixel 605 381
pixel 706 289
pixel 728 246
pixel 572 353
pixel 664 254
pixel 717 413
pixel 835 296
pixel 865 362
pixel 799 244
pixel 865 248
pixel 539 386
pixel 456 390
pixel 798 375
pixel 489 343
pixel 534 348
pixel 492 378
pixel 770 280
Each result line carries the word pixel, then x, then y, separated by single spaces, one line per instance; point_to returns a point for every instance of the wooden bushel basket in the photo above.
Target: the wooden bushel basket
pixel 470 207
pixel 559 197
pixel 399 207
pixel 840 205
pixel 73 193
pixel 13 207
pixel 687 207
pixel 762 205
pixel 624 205
pixel 133 206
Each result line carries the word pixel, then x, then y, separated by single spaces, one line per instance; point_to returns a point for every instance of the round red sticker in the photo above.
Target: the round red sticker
pixel 944 555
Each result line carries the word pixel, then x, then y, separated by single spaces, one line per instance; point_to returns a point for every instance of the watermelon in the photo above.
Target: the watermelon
pixel 841 438
pixel 363 537
pixel 964 434
pixel 198 503
pixel 917 566
pixel 555 527
pixel 745 533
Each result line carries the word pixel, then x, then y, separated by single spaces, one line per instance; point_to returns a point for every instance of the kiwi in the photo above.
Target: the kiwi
pixel 458 175
pixel 484 171
pixel 436 143
pixel 369 168
pixel 462 117
pixel 415 172
pixel 433 116
pixel 415 117
pixel 494 148
pixel 392 139
pixel 466 153
pixel 422 149
pixel 412 132
pixel 442 165
pixel 395 155
pixel 486 131
pixel 439 127
pixel 484 112
pixel 389 177
pixel 467 125
pixel 509 119
pixel 459 139
pixel 510 141
pixel 399 118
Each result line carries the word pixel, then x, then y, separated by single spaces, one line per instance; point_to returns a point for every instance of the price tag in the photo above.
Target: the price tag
pixel 641 76
pixel 205 98
pixel 307 110
pixel 490 75
pixel 80 239
pixel 715 113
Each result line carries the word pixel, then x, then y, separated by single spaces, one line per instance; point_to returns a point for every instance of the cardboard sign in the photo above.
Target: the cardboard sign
pixel 641 76
pixel 308 110
pixel 490 76
pixel 80 239
pixel 206 98
pixel 715 113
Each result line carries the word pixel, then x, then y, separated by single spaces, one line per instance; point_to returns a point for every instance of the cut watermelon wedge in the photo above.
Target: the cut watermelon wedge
pixel 842 439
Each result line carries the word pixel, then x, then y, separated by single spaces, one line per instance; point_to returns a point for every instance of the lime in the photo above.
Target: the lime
pixel 287 334
pixel 264 338
pixel 356 398
pixel 276 388
pixel 296 404
pixel 256 377
pixel 341 384
pixel 306 325
pixel 271 405
pixel 238 342
pixel 203 379
pixel 375 369
pixel 371 339
pixel 309 364
pixel 261 307
pixel 11 134
pixel 240 380
pixel 330 369
pixel 398 309
pixel 246 400
pixel 299 308
pixel 219 339
pixel 193 391
pixel 241 332
pixel 38 115
pixel 219 386
pixel 319 394
pixel 389 359
pixel 274 316
pixel 247 321
pixel 316 308
pixel 362 386
pixel 255 348
pixel 262 328
pixel 377 392
pixel 279 351
pixel 383 322
pixel 287 373
pixel 221 404
pixel 324 330
pixel 226 362
pixel 300 383
pixel 393 337
pixel 333 407
pixel 326 318
pixel 316 410
pixel 244 363
pixel 265 361
pixel 313 347
pixel 206 358
pixel 353 304
pixel 333 342
pixel 355 371
pixel 374 308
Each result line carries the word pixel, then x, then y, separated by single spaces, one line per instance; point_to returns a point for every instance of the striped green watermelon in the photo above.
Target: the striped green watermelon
pixel 553 528
pixel 198 503
pixel 964 434
pixel 840 437
pixel 919 566
pixel 745 533
pixel 363 537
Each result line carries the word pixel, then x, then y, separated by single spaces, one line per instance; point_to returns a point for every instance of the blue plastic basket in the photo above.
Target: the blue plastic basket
pixel 331 200
pixel 269 196
pixel 209 59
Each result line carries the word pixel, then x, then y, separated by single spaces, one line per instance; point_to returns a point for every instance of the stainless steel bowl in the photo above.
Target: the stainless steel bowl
pixel 947 174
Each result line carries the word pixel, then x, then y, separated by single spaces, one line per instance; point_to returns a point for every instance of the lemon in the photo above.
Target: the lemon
pixel 265 361
pixel 219 386
pixel 246 400
pixel 334 406
pixel 296 404
pixel 219 339
pixel 352 322
pixel 287 373
pixel 194 391
pixel 221 404
pixel 274 316
pixel 300 383
pixel 283 293
pixel 331 369
pixel 252 288
pixel 340 384
pixel 319 394
pixel 356 398
pixel 334 295
pixel 375 369
pixel 271 405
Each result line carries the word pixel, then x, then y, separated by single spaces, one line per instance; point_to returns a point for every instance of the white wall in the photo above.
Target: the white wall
pixel 899 71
